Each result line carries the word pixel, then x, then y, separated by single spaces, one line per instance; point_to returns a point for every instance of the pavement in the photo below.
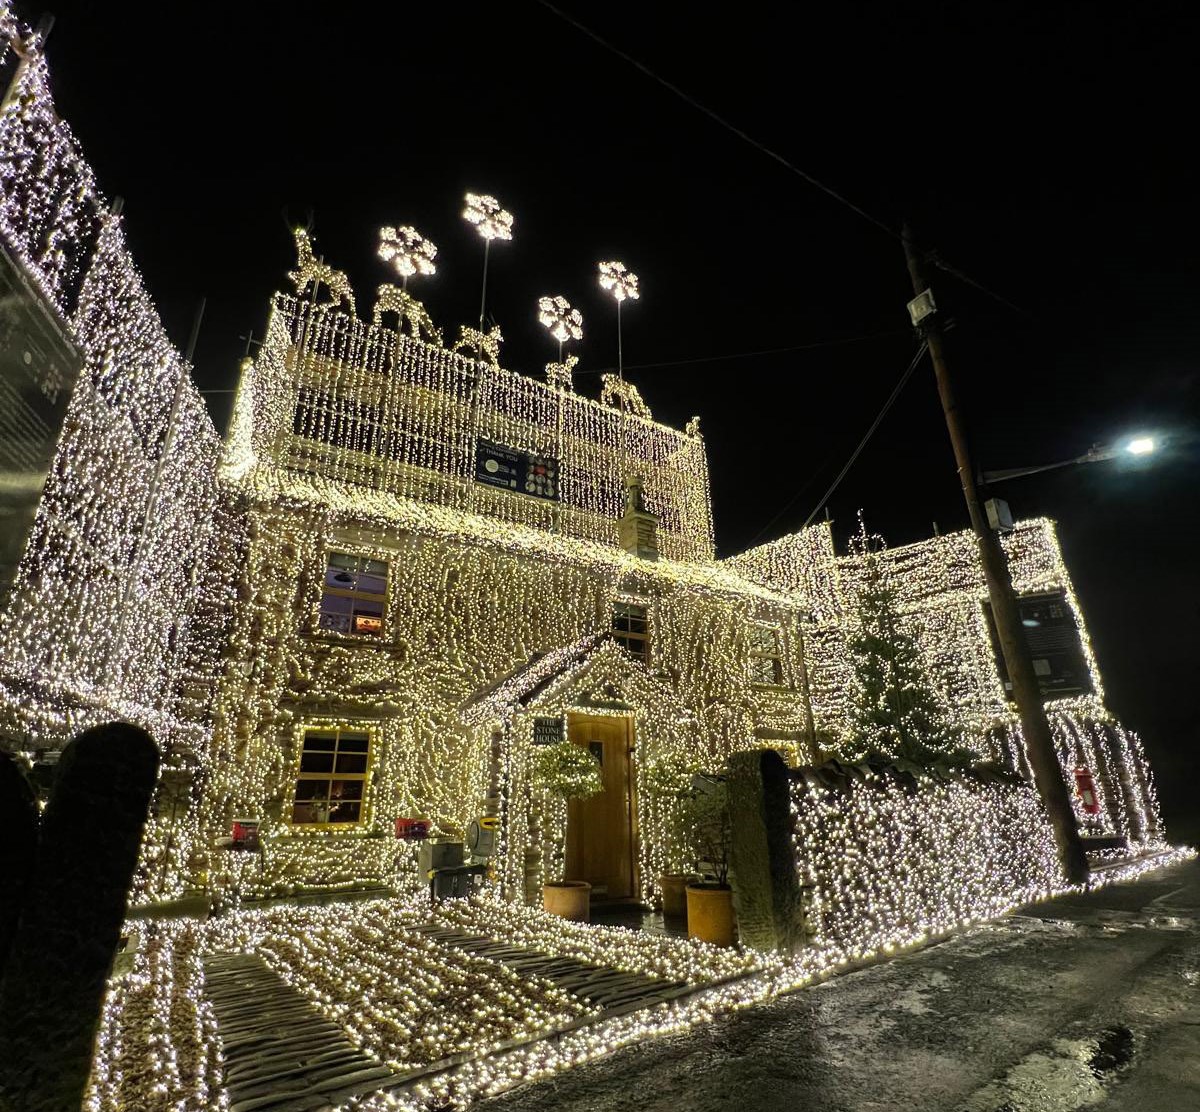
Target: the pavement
pixel 1083 1002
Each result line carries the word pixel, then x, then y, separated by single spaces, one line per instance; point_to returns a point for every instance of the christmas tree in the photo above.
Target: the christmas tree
pixel 897 714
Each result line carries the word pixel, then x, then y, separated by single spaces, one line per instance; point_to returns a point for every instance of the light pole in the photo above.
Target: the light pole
pixel 1137 446
pixel 1039 741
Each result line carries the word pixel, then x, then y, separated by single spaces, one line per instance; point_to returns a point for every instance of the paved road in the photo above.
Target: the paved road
pixel 1080 1003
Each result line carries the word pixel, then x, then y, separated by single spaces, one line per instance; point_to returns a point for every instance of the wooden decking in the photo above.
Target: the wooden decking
pixel 282 1055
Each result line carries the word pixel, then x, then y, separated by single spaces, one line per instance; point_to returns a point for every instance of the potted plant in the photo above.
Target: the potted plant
pixel 567 771
pixel 667 778
pixel 710 900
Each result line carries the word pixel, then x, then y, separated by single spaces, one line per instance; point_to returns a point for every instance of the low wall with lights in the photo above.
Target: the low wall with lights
pixel 890 858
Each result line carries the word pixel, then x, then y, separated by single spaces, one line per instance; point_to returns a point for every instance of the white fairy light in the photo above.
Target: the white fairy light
pixel 621 283
pixel 563 322
pixel 481 591
pixel 490 220
pixel 408 251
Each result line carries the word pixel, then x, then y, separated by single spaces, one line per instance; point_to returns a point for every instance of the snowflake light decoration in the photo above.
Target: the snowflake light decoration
pixel 557 315
pixel 407 250
pixel 621 283
pixel 490 220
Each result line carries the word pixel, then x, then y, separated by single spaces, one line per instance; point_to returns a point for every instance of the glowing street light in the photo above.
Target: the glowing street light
pixel 1137 446
pixel 408 251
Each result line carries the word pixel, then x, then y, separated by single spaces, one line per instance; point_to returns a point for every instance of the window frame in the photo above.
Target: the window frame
pixel 754 655
pixel 365 777
pixel 353 592
pixel 623 638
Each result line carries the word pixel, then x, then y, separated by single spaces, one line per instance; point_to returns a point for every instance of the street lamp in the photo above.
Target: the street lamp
pixel 1138 446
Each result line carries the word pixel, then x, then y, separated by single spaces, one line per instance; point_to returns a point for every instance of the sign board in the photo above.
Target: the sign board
pixel 519 472
pixel 547 731
pixel 38 369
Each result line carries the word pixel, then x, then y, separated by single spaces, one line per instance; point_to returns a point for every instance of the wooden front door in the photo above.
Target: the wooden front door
pixel 600 829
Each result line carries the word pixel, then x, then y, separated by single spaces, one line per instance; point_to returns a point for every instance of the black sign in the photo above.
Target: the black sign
pixel 519 472
pixel 547 731
pixel 1054 644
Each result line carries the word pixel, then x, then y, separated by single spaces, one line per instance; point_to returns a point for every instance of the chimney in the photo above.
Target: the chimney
pixel 638 527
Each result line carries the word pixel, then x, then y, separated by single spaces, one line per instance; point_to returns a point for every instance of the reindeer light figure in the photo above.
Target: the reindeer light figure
pixel 482 343
pixel 622 395
pixel 391 299
pixel 560 375
pixel 310 269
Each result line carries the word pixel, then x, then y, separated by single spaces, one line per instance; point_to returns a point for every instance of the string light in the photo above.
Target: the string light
pixel 621 283
pixel 408 251
pixel 562 322
pixel 350 437
pixel 130 509
pixel 489 218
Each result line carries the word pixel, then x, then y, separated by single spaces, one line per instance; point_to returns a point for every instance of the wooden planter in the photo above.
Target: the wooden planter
pixel 674 897
pixel 569 899
pixel 710 914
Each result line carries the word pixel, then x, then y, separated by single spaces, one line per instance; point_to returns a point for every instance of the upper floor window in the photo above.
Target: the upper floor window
pixel 631 629
pixel 354 594
pixel 331 782
pixel 765 660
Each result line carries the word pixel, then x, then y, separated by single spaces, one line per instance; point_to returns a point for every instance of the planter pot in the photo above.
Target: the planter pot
pixel 569 899
pixel 674 898
pixel 710 914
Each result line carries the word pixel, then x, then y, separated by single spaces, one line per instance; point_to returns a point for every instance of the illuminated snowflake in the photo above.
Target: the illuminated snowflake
pixel 407 250
pixel 621 282
pixel 491 221
pixel 557 315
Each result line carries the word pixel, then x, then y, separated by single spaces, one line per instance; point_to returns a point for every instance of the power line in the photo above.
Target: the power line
pixel 816 183
pixel 912 366
pixel 722 121
pixel 869 433
pixel 751 354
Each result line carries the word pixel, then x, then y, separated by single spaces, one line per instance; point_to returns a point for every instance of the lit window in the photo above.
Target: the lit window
pixel 631 629
pixel 354 594
pixel 765 660
pixel 332 782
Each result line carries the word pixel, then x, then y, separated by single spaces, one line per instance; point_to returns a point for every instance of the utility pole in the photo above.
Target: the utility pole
pixel 1039 741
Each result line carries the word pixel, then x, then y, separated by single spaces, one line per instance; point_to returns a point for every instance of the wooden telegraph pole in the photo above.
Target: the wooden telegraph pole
pixel 1039 741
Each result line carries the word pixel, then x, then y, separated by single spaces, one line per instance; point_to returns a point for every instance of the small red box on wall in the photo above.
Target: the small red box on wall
pixel 1085 788
pixel 412 830
pixel 245 833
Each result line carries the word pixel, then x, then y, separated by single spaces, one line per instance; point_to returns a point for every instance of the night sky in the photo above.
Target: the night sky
pixel 1046 154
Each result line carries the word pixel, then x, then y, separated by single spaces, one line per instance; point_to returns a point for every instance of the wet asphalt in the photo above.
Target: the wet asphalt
pixel 1088 1002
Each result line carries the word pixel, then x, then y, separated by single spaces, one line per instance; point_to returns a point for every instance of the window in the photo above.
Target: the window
pixel 765 661
pixel 354 594
pixel 631 629
pixel 332 781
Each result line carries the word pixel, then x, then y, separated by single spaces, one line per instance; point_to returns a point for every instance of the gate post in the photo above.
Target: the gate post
pixel 770 911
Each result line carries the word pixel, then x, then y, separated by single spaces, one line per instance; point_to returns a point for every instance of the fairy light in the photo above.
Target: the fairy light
pixel 488 217
pixel 618 281
pixel 105 531
pixel 408 251
pixel 562 322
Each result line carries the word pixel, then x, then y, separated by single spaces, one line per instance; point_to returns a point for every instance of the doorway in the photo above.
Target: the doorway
pixel 600 834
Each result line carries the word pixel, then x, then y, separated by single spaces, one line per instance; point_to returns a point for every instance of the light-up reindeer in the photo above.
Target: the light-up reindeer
pixel 310 269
